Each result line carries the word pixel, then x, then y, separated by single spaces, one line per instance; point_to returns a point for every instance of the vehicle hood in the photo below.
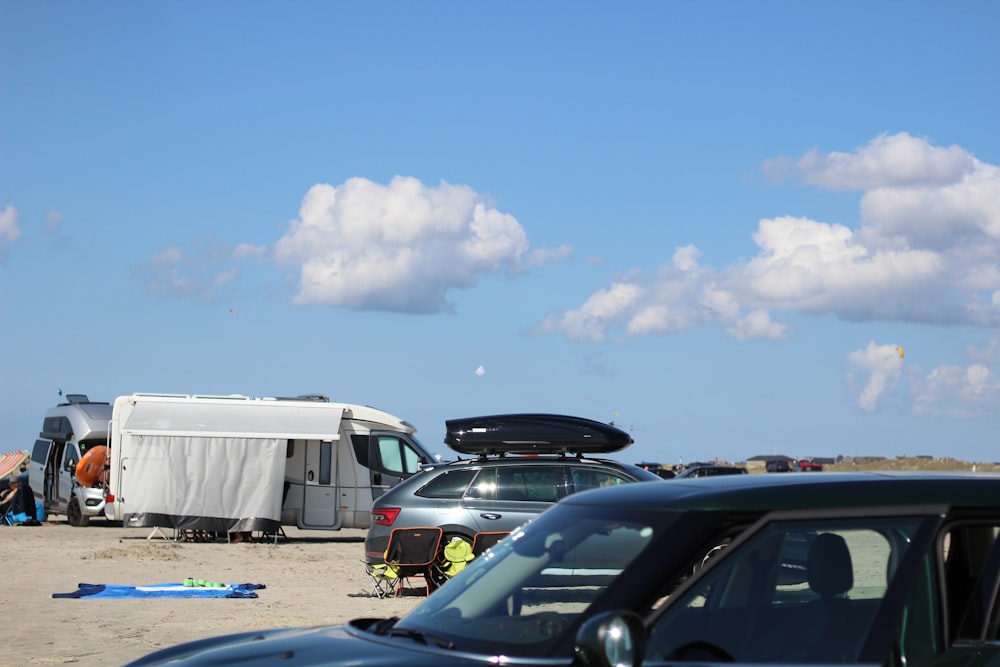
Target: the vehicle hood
pixel 324 645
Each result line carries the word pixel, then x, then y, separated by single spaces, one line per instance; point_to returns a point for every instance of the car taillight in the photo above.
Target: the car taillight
pixel 385 515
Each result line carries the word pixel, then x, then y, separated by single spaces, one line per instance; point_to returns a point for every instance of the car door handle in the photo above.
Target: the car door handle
pixel 490 516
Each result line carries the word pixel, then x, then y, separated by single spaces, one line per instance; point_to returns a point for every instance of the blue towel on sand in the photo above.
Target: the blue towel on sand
pixel 173 590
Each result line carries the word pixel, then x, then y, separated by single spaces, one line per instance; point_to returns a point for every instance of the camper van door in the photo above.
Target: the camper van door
pixel 320 501
pixel 392 457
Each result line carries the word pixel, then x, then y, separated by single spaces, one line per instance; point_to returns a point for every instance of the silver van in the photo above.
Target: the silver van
pixel 69 431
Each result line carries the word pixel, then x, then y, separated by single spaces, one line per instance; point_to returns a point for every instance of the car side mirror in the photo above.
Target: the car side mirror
pixel 611 639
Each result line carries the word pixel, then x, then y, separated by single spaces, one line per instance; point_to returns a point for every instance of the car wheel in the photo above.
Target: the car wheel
pixel 74 514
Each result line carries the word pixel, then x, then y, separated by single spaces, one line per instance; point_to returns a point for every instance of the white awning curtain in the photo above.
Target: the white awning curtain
pixel 238 418
pixel 224 478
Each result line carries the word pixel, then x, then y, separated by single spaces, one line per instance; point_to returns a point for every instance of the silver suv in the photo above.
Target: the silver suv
pixel 524 463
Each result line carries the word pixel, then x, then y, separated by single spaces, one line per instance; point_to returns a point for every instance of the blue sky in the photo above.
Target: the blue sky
pixel 712 223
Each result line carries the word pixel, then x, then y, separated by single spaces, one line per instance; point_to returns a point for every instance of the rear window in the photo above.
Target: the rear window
pixel 451 484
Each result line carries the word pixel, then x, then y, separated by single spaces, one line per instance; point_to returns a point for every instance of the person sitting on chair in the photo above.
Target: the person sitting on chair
pixel 19 501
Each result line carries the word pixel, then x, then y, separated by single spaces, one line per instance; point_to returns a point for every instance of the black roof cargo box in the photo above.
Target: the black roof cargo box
pixel 533 434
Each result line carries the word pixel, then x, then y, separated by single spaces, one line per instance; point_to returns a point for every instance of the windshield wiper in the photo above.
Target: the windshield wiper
pixel 419 636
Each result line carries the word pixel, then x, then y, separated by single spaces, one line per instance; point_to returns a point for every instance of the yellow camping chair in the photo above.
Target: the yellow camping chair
pixel 455 555
pixel 411 552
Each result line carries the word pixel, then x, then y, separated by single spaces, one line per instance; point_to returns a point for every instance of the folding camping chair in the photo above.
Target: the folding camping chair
pixel 455 555
pixel 483 542
pixel 272 535
pixel 11 519
pixel 411 552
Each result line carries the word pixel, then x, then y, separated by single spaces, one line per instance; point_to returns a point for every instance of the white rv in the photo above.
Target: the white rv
pixel 235 463
pixel 69 431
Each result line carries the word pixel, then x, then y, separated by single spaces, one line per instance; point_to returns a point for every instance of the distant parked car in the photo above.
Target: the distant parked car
pixel 777 465
pixel 501 488
pixel 661 469
pixel 710 471
pixel 805 465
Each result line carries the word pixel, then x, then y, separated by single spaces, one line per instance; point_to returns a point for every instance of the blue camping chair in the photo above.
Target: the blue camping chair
pixel 11 519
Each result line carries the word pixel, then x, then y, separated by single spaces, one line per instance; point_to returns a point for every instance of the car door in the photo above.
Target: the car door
pixel 760 602
pixel 505 497
pixel 392 457
pixel 67 472
pixel 970 571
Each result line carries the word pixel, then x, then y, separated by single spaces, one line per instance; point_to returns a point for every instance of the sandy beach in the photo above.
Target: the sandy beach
pixel 314 578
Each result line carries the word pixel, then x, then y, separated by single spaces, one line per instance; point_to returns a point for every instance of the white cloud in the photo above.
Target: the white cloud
pixel 808 266
pixel 591 321
pixel 9 230
pixel 53 219
pixel 958 392
pixel 874 372
pixel 944 217
pixel 402 246
pixel 897 160
pixel 961 391
pixel 8 223
pixel 549 256
pixel 987 353
pixel 225 277
pixel 677 296
pixel 758 325
pixel 174 272
pixel 245 250
pixel 926 249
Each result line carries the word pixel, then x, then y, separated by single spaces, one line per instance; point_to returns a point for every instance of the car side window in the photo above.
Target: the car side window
pixel 970 556
pixel 451 484
pixel 532 483
pixel 589 478
pixel 485 485
pixel 819 582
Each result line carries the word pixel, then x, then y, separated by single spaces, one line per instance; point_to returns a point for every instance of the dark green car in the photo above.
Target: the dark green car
pixel 868 568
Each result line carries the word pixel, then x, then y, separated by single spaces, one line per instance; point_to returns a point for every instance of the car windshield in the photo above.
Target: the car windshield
pixel 523 595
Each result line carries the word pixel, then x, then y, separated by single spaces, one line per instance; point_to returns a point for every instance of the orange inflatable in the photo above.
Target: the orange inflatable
pixel 90 469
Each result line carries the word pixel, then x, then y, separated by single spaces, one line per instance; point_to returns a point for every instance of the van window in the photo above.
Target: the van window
pixel 397 456
pixel 40 451
pixel 325 462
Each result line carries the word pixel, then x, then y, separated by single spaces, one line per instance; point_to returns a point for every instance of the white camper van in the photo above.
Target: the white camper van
pixel 69 431
pixel 235 463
